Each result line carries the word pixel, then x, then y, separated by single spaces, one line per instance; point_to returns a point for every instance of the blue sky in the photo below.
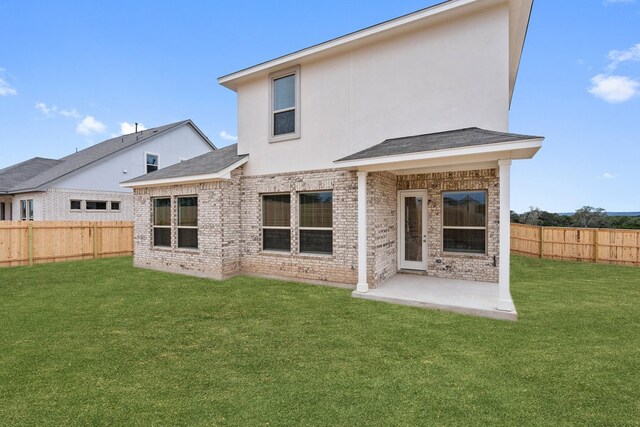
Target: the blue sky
pixel 72 73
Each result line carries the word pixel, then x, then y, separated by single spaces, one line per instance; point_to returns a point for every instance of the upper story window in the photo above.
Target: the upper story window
pixel 285 105
pixel 151 162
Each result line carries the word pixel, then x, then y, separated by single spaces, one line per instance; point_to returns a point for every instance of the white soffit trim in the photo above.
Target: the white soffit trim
pixel 162 182
pixel 481 153
pixel 229 80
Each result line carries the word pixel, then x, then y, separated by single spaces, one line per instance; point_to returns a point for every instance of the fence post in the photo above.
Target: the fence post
pixel 95 240
pixel 30 240
pixel 541 241
pixel 595 246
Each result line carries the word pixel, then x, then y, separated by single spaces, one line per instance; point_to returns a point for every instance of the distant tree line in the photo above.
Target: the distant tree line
pixel 587 216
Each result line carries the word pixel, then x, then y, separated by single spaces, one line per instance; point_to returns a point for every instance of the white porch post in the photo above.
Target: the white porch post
pixel 362 286
pixel 505 303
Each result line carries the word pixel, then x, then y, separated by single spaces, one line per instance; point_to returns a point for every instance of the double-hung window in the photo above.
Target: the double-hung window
pixel 464 221
pixel 285 105
pixel 316 222
pixel 276 222
pixel 162 222
pixel 26 210
pixel 151 162
pixel 188 222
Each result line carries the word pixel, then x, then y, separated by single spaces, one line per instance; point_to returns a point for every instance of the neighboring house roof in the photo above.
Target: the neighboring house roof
pixel 24 171
pixel 75 161
pixel 437 141
pixel 519 14
pixel 207 167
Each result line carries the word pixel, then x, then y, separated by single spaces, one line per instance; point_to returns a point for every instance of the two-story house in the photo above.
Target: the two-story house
pixel 379 159
pixel 85 186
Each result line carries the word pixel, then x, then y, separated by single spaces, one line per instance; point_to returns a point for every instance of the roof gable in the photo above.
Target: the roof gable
pixel 24 171
pixel 86 157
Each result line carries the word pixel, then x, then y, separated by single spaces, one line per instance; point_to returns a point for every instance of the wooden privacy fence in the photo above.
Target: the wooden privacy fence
pixel 578 244
pixel 34 242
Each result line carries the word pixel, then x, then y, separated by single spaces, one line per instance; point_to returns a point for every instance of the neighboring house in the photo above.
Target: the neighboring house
pixel 386 150
pixel 86 185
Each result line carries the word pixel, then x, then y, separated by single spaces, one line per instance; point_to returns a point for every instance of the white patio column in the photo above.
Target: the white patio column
pixel 505 302
pixel 362 286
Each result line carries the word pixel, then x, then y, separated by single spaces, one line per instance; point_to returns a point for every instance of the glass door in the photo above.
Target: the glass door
pixel 413 237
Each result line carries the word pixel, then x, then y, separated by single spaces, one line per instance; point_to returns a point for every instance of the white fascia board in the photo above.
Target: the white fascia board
pixel 527 149
pixel 227 80
pixel 224 174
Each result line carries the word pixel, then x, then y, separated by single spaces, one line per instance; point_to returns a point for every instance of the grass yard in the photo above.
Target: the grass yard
pixel 99 342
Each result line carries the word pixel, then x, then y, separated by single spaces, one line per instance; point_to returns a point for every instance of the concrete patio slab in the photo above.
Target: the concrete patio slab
pixel 459 296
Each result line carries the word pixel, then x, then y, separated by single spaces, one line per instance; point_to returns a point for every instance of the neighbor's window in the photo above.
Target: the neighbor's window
pixel 75 205
pixel 188 222
pixel 316 222
pixel 276 222
pixel 152 162
pixel 464 221
pixel 162 222
pixel 95 205
pixel 285 108
pixel 115 206
pixel 26 210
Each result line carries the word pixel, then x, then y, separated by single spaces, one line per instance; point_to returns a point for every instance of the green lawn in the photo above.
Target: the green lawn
pixel 99 342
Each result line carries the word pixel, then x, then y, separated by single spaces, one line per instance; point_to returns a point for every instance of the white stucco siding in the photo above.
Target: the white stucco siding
pixel 451 75
pixel 107 174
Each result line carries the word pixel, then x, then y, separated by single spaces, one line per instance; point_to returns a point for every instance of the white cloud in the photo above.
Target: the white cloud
pixel 227 136
pixel 90 125
pixel 6 89
pixel 606 175
pixel 619 56
pixel 70 113
pixel 127 128
pixel 613 89
pixel 45 109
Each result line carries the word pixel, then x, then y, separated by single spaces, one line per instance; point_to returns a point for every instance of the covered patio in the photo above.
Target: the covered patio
pixel 459 296
pixel 429 172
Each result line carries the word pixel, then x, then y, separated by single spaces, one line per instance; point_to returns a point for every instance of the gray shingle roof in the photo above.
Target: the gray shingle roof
pixel 75 161
pixel 205 164
pixel 437 141
pixel 24 171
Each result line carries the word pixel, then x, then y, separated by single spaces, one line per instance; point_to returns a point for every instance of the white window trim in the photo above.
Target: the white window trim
pixel 273 227
pixel 106 205
pixel 147 164
pixel 28 210
pixel 315 228
pixel 449 227
pixel 272 77
pixel 154 226
pixel 188 227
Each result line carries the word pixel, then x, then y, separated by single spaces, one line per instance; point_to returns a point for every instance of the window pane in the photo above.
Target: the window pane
pixel 276 210
pixel 152 163
pixel 115 206
pixel 162 211
pixel 30 206
pixel 284 122
pixel 466 209
pixel 316 241
pixel 188 238
pixel 76 204
pixel 99 206
pixel 161 237
pixel 284 92
pixel 276 240
pixel 316 209
pixel 188 211
pixel 2 214
pixel 462 240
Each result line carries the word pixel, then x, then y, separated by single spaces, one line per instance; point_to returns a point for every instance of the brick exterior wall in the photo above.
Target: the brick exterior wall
pixel 54 205
pixel 480 267
pixel 230 236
